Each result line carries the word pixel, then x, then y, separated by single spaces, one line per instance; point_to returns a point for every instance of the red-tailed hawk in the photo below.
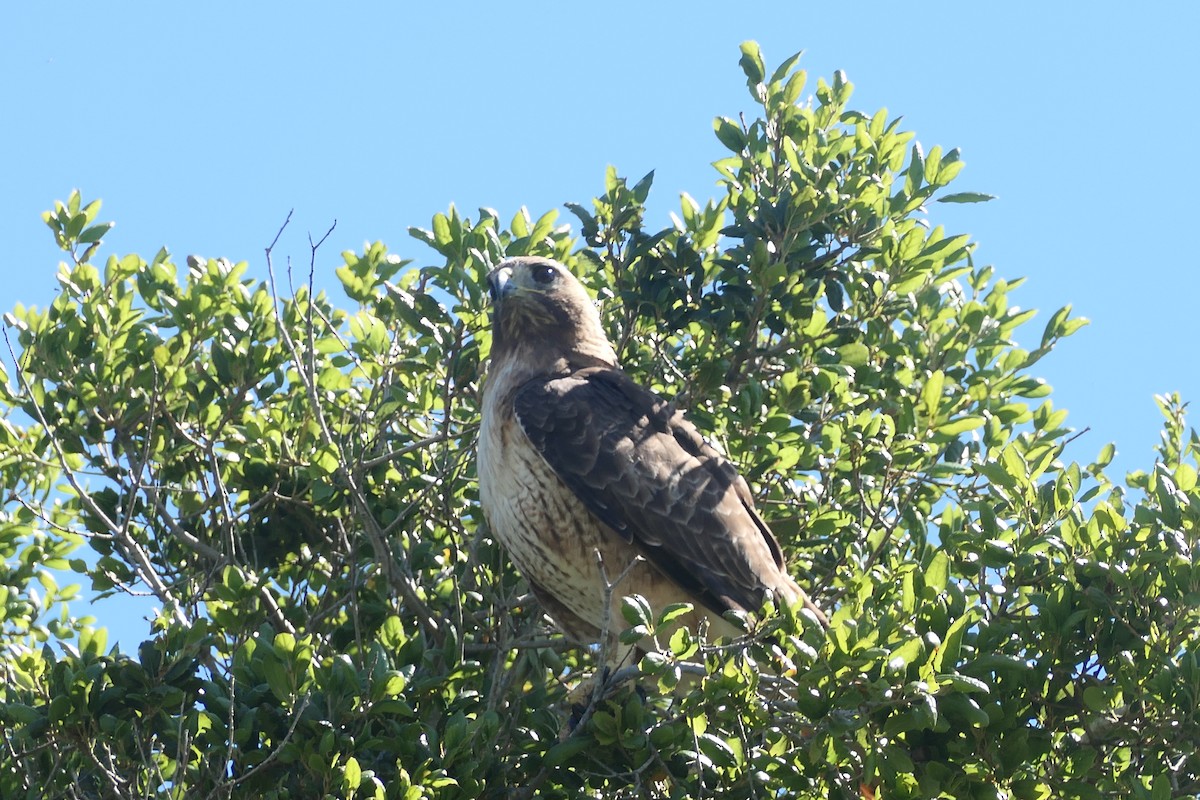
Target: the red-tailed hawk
pixel 576 459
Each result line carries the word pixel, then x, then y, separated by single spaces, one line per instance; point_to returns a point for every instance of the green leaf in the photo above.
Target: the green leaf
pixel 854 354
pixel 673 612
pixel 326 460
pixel 718 750
pixel 1185 477
pixel 351 775
pixel 285 643
pixel 682 643
pixel 1055 324
pixel 636 610
pixel 641 189
pixel 1097 698
pixel 966 197
pixel 19 712
pixel 945 246
pixel 1071 326
pixel 752 62
pixel 566 750
pixel 784 68
pixel 907 653
pixel 961 425
pixel 730 134
pixel 926 710
pixel 916 170
pixel 1107 453
pixel 947 654
pixel 937 574
pixel 94 233
pixel 908 594
pixel 277 679
pixel 931 393
pixel 441 229
pixel 964 683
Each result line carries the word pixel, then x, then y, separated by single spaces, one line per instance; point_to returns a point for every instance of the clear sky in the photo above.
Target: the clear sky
pixel 201 124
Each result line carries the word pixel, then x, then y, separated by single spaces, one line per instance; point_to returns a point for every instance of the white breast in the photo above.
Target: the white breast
pixel 551 537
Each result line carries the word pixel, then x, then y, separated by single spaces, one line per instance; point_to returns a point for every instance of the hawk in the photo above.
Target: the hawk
pixel 582 471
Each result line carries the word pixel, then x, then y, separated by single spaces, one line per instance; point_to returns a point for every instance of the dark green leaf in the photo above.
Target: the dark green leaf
pixel 966 197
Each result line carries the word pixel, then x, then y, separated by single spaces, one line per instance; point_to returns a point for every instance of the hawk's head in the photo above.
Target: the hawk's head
pixel 541 309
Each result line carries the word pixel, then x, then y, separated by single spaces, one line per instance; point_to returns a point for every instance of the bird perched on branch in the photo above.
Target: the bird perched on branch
pixel 585 476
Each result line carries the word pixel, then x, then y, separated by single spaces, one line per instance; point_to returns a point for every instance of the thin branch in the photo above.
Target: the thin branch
pixel 120 533
pixel 1075 436
pixel 406 583
pixel 274 754
pixel 437 438
pixel 279 233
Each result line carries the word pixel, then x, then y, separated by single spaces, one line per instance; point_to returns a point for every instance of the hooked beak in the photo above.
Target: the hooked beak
pixel 499 281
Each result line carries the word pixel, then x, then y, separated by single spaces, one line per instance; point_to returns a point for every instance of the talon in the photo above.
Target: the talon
pixel 581 698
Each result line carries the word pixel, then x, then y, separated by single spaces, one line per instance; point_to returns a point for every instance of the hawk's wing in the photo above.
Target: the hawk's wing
pixel 646 472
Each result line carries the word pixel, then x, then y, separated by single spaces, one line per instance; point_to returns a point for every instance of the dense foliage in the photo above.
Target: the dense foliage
pixel 293 481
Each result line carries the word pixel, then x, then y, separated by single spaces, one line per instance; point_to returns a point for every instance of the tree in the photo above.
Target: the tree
pixel 293 482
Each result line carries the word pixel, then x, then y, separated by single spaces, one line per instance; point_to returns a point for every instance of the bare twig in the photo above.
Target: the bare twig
pixel 121 536
pixel 1076 435
pixel 405 583
pixel 600 686
pixel 412 447
pixel 225 786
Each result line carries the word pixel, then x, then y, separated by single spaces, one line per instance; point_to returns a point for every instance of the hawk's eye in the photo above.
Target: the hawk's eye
pixel 543 273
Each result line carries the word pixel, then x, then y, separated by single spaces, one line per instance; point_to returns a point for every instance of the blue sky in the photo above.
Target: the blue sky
pixel 200 125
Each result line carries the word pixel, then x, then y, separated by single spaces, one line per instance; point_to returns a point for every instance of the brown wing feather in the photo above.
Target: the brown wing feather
pixel 646 473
